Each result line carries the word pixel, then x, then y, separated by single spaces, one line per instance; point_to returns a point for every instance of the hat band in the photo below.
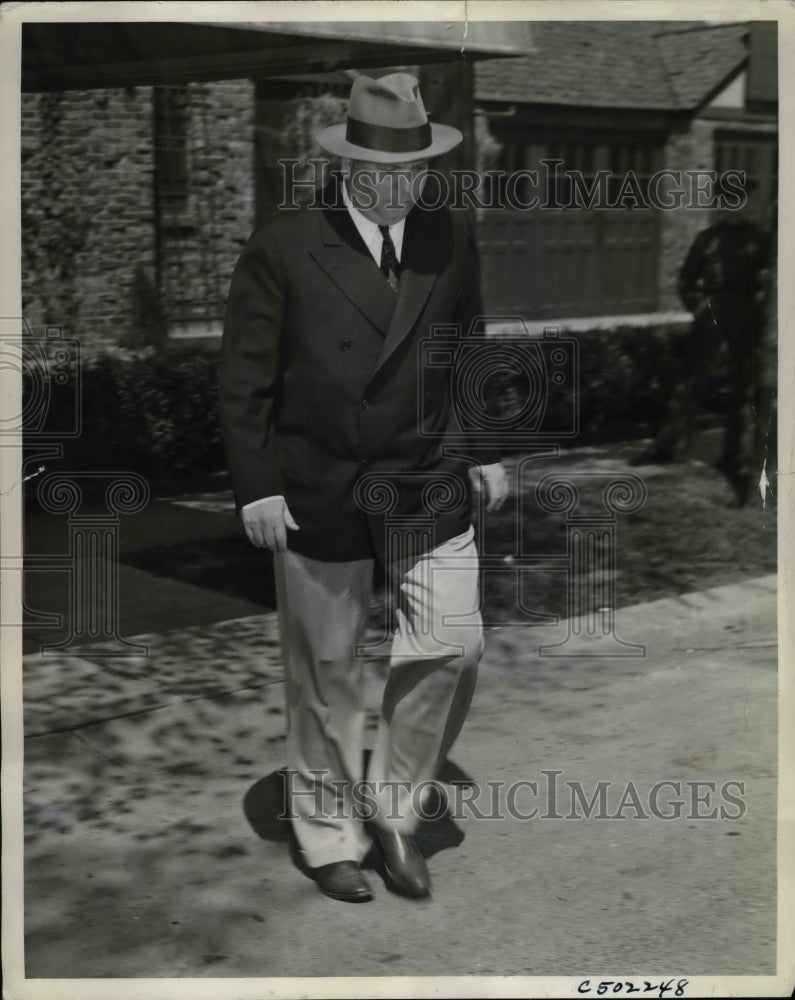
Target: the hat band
pixel 385 139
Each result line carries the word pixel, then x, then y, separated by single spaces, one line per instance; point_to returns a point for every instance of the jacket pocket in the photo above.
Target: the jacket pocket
pixel 300 461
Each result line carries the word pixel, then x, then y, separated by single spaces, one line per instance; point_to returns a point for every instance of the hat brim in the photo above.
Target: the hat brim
pixel 332 139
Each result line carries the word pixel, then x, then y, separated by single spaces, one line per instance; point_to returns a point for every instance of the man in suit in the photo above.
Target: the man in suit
pixel 335 435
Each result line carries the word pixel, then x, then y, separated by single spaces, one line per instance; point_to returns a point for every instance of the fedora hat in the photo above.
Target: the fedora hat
pixel 387 123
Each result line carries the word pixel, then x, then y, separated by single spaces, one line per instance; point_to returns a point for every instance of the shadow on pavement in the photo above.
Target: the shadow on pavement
pixel 264 806
pixel 230 566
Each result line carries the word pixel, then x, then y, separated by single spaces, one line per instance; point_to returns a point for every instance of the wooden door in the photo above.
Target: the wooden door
pixel 568 261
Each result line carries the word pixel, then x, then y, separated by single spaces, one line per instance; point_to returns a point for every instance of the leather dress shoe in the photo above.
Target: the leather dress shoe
pixel 342 880
pixel 402 865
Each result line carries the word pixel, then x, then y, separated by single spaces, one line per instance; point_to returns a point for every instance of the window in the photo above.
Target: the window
pixel 756 154
pixel 171 112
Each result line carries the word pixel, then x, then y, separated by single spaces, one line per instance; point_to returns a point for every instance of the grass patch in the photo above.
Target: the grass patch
pixel 684 537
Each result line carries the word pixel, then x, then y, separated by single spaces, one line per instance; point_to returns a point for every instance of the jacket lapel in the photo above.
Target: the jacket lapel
pixel 342 254
pixel 425 253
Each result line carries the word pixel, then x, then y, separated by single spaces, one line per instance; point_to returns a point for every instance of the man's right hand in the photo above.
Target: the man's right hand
pixel 267 522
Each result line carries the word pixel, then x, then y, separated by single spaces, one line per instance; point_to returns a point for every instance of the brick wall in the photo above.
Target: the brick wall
pixel 87 208
pixel 198 249
pixel 92 231
pixel 93 239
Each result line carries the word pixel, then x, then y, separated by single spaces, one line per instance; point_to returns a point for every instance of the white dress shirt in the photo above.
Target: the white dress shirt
pixel 374 241
pixel 370 232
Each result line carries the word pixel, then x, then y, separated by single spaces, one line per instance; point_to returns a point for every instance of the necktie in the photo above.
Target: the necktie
pixel 390 267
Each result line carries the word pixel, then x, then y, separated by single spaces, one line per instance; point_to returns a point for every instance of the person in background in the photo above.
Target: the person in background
pixel 724 283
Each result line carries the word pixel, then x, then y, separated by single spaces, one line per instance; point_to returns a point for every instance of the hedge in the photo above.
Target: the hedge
pixel 623 382
pixel 155 412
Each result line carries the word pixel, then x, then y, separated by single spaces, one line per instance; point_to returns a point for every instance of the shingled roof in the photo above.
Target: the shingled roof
pixel 674 65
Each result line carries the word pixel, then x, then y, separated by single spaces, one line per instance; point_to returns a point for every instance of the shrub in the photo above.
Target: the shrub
pixel 149 412
pixel 156 412
pixel 625 379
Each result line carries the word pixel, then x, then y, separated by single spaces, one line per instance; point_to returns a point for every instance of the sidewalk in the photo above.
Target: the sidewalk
pixel 153 847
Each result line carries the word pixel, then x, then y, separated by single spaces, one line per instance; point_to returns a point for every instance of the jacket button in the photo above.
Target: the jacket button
pixel 345 345
pixel 366 404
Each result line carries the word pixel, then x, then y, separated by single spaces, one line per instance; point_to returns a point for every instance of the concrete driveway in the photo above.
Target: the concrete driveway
pixel 153 846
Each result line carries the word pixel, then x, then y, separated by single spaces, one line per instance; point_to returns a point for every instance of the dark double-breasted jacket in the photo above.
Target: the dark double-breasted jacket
pixel 328 393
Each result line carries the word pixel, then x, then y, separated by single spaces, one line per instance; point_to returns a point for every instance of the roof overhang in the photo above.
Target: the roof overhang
pixel 95 54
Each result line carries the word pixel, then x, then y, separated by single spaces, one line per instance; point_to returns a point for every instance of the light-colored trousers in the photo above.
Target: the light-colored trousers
pixel 435 650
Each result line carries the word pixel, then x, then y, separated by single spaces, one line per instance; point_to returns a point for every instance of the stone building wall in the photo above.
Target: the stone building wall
pixel 101 258
pixel 689 148
pixel 87 209
pixel 105 257
pixel 200 244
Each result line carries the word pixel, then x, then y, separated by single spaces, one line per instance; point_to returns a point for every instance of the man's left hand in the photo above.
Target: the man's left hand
pixel 495 481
